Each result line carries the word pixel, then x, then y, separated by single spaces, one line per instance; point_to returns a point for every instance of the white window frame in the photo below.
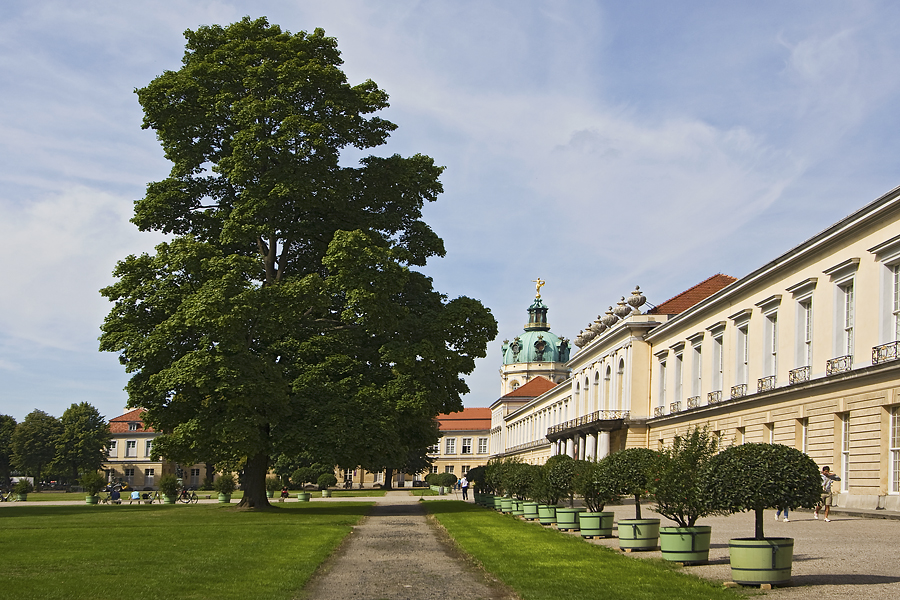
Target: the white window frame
pixel 448 468
pixel 129 475
pixel 148 447
pixel 482 445
pixel 434 468
pixel 663 376
pixel 843 277
pixel 894 451
pixel 113 449
pixel 845 451
pixel 149 477
pixel 131 449
pixel 450 446
pixel 134 427
pixel 466 447
pixel 678 367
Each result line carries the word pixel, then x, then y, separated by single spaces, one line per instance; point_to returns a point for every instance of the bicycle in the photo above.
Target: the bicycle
pixel 188 496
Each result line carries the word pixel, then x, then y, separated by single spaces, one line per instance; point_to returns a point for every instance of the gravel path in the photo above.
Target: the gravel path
pixel 397 554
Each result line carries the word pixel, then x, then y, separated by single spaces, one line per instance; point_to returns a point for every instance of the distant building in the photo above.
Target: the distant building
pixel 130 459
pixel 464 442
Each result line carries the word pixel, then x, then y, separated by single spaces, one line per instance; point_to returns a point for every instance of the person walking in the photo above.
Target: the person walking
pixel 464 486
pixel 778 514
pixel 827 497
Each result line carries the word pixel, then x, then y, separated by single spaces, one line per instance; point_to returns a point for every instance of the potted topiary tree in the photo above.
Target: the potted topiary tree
pixel 632 472
pixel 273 484
pixel 21 489
pixel 225 485
pixel 680 496
pixel 325 481
pixel 92 482
pixel 561 481
pixel 756 477
pixel 592 484
pixel 302 476
pixel 519 480
pixel 549 489
pixel 168 486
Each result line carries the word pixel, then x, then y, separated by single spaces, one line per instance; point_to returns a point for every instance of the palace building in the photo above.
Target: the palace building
pixel 803 351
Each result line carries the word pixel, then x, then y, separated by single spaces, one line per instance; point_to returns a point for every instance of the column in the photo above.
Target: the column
pixel 570 447
pixel 602 444
pixel 590 451
pixel 581 446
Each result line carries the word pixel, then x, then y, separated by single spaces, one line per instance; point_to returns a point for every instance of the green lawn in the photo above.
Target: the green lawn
pixel 542 564
pixel 158 551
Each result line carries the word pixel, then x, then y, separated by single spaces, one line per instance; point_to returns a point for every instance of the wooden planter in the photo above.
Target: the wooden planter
pixel 755 562
pixel 638 534
pixel 596 524
pixel 530 511
pixel 303 497
pixel 567 519
pixel 685 544
pixel 546 514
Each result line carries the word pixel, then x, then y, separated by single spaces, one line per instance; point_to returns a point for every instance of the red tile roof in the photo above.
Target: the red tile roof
pixel 120 423
pixel 692 296
pixel 532 389
pixel 468 419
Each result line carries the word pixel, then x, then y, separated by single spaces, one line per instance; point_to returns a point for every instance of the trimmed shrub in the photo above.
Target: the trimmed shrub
pixel 273 484
pixel 632 472
pixel 168 484
pixel 92 482
pixel 326 480
pixel 593 485
pixel 225 484
pixel 679 491
pixel 304 475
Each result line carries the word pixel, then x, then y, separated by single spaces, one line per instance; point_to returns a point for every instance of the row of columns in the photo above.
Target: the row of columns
pixel 583 446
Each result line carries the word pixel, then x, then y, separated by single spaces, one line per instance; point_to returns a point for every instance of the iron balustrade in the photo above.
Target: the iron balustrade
pixel 693 402
pixel 764 384
pixel 885 353
pixel 839 364
pixel 659 411
pixel 798 375
pixel 739 391
pixel 594 417
pixel 675 407
pixel 713 397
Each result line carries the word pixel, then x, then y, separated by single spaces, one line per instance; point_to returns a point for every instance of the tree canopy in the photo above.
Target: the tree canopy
pixel 34 442
pixel 83 440
pixel 7 428
pixel 283 315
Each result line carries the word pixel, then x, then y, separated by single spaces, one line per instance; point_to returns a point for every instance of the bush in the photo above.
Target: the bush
pixel 273 484
pixel 92 482
pixel 632 472
pixel 520 480
pixel 225 484
pixel 446 479
pixel 495 474
pixel 679 492
pixel 207 484
pixel 476 478
pixel 561 476
pixel 592 484
pixel 304 475
pixel 23 486
pixel 326 480
pixel 168 484
pixel 760 476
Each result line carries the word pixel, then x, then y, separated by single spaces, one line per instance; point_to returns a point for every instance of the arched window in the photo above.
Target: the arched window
pixel 514 385
pixel 620 385
pixel 597 391
pixel 607 382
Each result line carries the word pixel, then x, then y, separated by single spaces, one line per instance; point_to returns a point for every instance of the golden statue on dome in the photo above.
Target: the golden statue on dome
pixel 539 284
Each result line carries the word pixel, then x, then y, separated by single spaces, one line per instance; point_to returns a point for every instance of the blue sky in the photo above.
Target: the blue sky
pixel 597 145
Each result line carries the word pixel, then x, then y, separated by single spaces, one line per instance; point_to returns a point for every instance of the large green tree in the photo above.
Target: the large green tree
pixel 7 427
pixel 34 443
pixel 283 316
pixel 82 444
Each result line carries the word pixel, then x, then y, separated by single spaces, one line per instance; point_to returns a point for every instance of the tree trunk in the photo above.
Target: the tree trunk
pixel 254 483
pixel 388 479
pixel 637 506
pixel 759 524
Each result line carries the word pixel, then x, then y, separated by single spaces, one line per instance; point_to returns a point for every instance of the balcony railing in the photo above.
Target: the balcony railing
pixel 675 407
pixel 713 397
pixel 764 384
pixel 599 415
pixel 798 375
pixel 659 411
pixel 885 353
pixel 693 402
pixel 840 364
pixel 739 391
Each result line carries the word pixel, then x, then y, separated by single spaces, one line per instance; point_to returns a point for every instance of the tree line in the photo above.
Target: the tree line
pixel 46 447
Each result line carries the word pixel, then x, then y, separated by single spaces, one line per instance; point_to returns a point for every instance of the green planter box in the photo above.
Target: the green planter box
pixel 596 524
pixel 546 514
pixel 303 497
pixel 224 498
pixel 498 503
pixel 91 499
pixel 685 544
pixel 326 493
pixel 755 562
pixel 517 508
pixel 638 534
pixel 530 511
pixel 567 518
pixel 169 499
pixel 506 505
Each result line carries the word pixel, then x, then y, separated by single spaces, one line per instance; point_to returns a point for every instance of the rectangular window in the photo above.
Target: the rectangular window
pixel 113 451
pixel 434 468
pixel 482 445
pixel 131 448
pixel 451 446
pixel 770 433
pixel 129 476
pixel 741 435
pixel 195 477
pixel 847 304
pixel 806 332
pixel 379 477
pixel 133 427
pixel 433 449
pixel 772 346
pixel 149 475
pixel 895 305
pixel 894 451
pixel 845 452
pixel 803 435
pixel 718 364
pixel 448 469
pixel 148 447
pixel 467 446
pixel 679 374
pixel 697 370
pixel 743 355
pixel 465 469
pixel 662 383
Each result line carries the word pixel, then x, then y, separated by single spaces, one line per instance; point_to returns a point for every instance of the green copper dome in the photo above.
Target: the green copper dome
pixel 537 343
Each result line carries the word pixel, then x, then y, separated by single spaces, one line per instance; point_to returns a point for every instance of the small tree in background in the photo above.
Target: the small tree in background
pixel 496 473
pixel 7 428
pixel 592 484
pixel 34 443
pixel 632 472
pixel 520 479
pixel 304 475
pixel 326 480
pixel 476 477
pixel 92 482
pixel 760 476
pixel 679 492
pixel 225 484
pixel 560 474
